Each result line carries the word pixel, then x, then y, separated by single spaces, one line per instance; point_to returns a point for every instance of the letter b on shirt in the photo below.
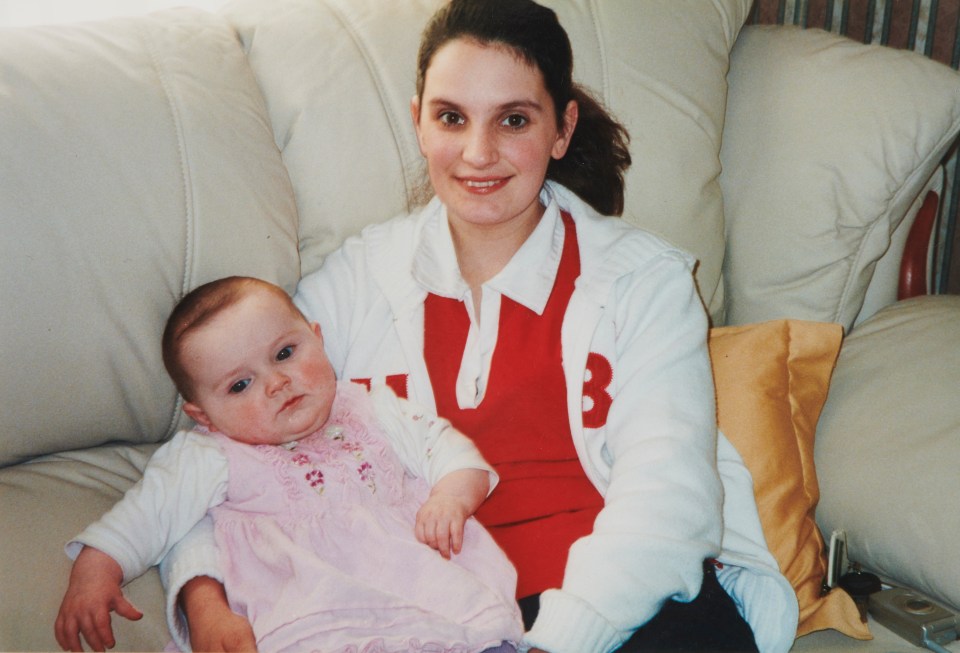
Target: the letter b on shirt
pixel 596 391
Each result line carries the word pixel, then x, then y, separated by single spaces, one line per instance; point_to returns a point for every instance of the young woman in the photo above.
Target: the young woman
pixel 570 346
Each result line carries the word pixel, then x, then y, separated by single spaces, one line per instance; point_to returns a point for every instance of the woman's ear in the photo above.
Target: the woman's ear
pixel 570 115
pixel 198 415
pixel 415 116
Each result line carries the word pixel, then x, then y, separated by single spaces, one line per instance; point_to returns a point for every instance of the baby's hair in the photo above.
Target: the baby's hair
pixel 599 153
pixel 196 309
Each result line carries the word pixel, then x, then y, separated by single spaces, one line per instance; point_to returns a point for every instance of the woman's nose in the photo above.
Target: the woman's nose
pixel 480 149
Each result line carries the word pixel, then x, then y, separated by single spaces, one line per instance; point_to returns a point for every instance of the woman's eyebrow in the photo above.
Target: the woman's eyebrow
pixel 530 105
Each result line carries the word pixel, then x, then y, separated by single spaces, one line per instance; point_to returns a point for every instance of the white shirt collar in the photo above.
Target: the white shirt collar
pixel 527 279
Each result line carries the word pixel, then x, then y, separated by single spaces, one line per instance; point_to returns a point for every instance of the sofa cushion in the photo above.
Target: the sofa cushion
pixel 137 162
pixel 888 445
pixel 827 144
pixel 338 77
pixel 46 502
pixel 771 381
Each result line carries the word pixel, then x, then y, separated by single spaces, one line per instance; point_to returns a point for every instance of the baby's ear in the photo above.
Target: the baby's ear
pixel 197 415
pixel 316 329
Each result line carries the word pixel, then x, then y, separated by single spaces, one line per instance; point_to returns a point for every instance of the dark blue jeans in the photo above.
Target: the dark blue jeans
pixel 709 623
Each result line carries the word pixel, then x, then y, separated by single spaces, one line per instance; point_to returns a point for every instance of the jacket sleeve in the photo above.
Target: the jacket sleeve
pixel 327 296
pixel 662 514
pixel 194 553
pixel 749 572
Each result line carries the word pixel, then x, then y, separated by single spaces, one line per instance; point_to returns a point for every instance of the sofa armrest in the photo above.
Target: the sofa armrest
pixel 906 268
pixel 916 266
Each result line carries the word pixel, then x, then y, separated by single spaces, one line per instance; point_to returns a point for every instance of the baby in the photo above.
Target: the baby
pixel 329 503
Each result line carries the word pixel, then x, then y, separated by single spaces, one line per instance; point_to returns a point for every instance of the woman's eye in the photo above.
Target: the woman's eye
pixel 515 121
pixel 239 386
pixel 451 118
pixel 285 353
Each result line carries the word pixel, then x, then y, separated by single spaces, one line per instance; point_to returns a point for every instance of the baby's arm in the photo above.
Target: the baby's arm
pixel 94 592
pixel 453 499
pixel 432 449
pixel 183 479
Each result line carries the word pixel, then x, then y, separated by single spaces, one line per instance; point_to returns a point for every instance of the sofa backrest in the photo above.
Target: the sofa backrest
pixel 144 156
pixel 137 162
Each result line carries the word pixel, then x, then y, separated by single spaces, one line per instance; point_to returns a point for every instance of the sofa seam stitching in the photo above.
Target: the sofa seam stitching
pixel 189 221
pixel 376 76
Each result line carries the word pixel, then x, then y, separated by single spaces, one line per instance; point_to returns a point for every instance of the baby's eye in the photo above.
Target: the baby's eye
pixel 239 386
pixel 515 121
pixel 285 353
pixel 451 118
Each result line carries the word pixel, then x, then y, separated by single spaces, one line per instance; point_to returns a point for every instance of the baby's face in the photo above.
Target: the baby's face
pixel 260 373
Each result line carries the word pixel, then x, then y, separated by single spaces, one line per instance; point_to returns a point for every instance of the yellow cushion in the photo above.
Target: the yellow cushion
pixel 772 381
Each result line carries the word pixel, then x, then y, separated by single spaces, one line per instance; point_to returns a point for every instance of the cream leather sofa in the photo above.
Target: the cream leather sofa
pixel 140 157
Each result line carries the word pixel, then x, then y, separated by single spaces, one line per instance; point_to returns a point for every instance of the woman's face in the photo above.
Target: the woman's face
pixel 488 128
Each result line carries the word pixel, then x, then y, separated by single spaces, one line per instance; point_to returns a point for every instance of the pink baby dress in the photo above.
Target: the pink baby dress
pixel 319 551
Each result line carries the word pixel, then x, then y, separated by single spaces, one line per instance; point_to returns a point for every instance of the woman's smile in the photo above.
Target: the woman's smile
pixel 485 186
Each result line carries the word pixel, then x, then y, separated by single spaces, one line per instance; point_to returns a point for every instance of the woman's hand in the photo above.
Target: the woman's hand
pixel 213 625
pixel 94 592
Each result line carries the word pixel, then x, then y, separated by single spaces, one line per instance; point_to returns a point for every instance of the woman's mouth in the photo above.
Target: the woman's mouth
pixel 483 186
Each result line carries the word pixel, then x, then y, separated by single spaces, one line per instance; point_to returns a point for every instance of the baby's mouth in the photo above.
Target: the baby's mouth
pixel 292 402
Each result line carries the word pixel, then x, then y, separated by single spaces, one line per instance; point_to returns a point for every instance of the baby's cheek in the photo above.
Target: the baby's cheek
pixel 318 374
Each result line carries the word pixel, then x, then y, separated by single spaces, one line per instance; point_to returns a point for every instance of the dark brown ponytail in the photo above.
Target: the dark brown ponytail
pixel 596 159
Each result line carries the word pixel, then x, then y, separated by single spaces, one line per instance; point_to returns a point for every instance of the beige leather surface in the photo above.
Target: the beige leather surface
pixel 137 162
pixel 44 503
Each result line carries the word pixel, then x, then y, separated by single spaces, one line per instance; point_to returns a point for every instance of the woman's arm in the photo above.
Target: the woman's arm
pixel 191 574
pixel 213 625
pixel 662 495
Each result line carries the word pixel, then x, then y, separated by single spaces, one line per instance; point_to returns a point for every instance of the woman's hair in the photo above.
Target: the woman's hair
pixel 196 309
pixel 598 154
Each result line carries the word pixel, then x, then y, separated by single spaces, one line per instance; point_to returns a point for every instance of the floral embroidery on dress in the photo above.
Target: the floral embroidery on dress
pixel 365 470
pixel 301 459
pixel 315 478
pixel 339 449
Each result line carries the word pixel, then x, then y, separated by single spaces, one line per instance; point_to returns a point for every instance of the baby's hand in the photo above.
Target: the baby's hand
pixel 440 523
pixel 93 592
